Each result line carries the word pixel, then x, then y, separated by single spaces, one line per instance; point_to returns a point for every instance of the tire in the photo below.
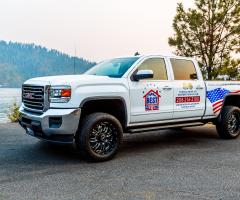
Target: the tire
pixel 100 137
pixel 229 127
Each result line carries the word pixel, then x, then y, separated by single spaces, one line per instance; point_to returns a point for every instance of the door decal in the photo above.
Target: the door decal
pixel 187 86
pixel 152 100
pixel 188 99
pixel 216 97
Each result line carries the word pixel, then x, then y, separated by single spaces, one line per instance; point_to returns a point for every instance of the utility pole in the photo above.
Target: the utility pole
pixel 74 60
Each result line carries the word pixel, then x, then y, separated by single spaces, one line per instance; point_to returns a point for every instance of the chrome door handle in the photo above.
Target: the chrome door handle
pixel 167 88
pixel 199 87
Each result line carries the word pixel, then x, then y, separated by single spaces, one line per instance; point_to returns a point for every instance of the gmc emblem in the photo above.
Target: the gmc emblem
pixel 29 95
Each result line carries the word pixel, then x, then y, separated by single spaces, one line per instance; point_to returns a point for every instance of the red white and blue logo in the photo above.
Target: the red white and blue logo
pixel 151 100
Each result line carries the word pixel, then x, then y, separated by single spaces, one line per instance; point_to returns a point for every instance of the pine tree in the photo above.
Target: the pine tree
pixel 209 33
pixel 230 68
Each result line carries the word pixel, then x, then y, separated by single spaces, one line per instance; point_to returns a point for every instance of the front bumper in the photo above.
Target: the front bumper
pixel 54 125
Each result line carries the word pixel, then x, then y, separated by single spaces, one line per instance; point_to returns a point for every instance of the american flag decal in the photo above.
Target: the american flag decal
pixel 216 98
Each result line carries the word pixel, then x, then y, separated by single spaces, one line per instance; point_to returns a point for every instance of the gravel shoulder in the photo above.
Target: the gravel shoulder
pixel 192 163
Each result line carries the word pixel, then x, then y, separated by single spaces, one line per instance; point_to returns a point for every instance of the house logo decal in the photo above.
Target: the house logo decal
pixel 151 100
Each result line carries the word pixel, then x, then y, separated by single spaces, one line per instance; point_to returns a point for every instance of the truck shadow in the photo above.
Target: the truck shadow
pixel 197 136
pixel 57 153
pixel 181 136
pixel 164 139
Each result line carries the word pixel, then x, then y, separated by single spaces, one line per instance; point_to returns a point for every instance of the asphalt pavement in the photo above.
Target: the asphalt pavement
pixel 192 163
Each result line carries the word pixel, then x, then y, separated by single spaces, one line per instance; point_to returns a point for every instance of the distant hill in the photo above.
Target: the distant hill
pixel 19 62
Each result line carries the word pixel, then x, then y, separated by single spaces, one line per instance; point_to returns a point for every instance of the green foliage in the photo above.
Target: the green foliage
pixel 209 33
pixel 19 62
pixel 230 68
pixel 12 111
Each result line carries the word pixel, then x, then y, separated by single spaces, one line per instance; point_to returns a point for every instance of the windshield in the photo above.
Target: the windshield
pixel 112 68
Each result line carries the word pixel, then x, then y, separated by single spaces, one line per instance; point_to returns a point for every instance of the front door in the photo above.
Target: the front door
pixel 152 99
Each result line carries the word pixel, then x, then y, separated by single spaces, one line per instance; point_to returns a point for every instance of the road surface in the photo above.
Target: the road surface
pixel 192 163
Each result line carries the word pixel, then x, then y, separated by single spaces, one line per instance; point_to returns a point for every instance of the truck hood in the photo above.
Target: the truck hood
pixel 64 79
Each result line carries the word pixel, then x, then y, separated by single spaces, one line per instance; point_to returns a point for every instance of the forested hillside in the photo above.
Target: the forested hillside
pixel 19 62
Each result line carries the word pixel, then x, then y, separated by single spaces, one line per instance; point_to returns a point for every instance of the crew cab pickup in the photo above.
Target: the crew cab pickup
pixel 129 94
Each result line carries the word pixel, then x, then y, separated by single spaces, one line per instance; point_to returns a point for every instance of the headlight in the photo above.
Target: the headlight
pixel 60 94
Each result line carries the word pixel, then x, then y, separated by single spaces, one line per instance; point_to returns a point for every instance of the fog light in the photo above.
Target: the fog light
pixel 55 122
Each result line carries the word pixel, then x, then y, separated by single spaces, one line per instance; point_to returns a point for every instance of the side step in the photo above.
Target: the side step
pixel 154 128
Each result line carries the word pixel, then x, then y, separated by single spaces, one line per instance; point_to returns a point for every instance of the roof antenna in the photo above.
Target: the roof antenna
pixel 74 60
pixel 136 54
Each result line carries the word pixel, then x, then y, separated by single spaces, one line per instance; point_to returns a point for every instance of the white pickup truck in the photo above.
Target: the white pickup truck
pixel 126 95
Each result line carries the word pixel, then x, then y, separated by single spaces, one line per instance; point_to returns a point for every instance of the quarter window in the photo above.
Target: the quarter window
pixel 183 69
pixel 157 65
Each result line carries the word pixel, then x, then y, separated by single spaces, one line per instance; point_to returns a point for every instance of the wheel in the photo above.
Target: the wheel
pixel 100 137
pixel 228 127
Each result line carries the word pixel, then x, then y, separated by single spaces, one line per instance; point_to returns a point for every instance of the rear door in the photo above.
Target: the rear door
pixel 189 89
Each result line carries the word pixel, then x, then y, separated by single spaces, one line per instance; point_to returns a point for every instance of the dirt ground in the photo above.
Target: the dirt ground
pixel 210 124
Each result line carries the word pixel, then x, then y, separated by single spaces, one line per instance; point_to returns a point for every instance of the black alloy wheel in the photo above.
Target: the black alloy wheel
pixel 99 137
pixel 103 138
pixel 233 123
pixel 229 126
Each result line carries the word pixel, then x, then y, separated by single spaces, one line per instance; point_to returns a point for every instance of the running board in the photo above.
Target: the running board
pixel 154 128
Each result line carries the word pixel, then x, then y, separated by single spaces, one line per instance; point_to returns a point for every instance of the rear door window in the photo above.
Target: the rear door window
pixel 183 69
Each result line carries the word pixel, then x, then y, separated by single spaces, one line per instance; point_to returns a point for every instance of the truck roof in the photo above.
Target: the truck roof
pixel 146 55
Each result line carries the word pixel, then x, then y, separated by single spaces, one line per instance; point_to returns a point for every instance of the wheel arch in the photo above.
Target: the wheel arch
pixel 230 100
pixel 114 105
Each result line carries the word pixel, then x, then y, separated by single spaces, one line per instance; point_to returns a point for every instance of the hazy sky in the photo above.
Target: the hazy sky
pixel 100 29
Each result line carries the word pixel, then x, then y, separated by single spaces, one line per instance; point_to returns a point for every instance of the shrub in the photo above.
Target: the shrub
pixel 12 111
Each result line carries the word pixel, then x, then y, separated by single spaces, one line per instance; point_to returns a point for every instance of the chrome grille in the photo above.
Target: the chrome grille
pixel 33 97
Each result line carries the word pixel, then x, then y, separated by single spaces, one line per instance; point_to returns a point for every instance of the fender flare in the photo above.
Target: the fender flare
pixel 108 98
pixel 224 99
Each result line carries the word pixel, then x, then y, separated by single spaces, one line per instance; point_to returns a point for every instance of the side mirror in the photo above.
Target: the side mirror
pixel 143 74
